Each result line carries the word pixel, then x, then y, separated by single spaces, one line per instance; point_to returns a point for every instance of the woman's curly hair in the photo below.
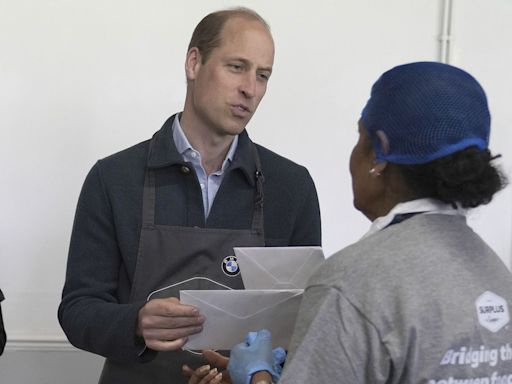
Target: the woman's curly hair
pixel 466 178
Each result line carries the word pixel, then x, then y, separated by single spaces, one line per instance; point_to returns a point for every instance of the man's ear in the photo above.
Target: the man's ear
pixel 192 63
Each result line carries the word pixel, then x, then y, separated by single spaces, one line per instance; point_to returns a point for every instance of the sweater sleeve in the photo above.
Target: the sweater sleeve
pixel 90 313
pixel 333 342
pixel 3 336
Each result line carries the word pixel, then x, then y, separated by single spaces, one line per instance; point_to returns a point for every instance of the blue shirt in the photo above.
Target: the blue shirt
pixel 209 183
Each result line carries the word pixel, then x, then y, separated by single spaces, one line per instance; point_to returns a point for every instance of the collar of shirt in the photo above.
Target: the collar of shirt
pixel 419 206
pixel 192 155
pixel 209 184
pixel 163 152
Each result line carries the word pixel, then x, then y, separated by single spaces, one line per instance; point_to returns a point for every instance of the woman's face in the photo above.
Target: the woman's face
pixel 365 184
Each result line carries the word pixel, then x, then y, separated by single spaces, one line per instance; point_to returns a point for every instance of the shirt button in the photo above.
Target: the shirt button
pixel 185 169
pixel 202 185
pixel 193 154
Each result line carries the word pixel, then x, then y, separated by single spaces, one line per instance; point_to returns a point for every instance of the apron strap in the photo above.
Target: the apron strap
pixel 149 194
pixel 257 219
pixel 148 199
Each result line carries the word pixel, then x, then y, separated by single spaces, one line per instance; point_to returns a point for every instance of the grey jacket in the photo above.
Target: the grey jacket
pixel 422 301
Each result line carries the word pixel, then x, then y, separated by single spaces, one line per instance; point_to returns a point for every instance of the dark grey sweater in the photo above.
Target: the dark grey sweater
pixel 95 313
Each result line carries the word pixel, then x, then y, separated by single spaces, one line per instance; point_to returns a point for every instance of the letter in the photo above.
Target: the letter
pixel 461 355
pixel 503 353
pixel 447 357
pixel 508 352
pixel 493 355
pixel 484 355
pixel 475 359
pixel 467 358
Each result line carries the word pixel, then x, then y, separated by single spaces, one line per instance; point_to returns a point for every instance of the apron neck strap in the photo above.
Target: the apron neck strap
pixel 149 198
pixel 257 219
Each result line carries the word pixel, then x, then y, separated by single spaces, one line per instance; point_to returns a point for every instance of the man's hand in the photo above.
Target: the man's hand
pixel 164 324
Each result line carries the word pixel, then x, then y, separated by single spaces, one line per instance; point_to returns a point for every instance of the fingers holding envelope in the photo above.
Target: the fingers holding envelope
pixel 165 324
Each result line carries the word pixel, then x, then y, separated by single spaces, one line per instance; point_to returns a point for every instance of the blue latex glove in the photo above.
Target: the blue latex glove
pixel 255 355
pixel 278 355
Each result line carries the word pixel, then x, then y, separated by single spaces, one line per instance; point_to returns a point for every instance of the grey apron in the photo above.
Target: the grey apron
pixel 172 258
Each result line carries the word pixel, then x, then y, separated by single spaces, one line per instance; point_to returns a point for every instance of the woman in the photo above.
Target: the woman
pixel 420 298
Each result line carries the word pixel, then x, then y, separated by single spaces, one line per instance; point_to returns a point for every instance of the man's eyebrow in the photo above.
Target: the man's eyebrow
pixel 248 62
pixel 265 69
pixel 238 58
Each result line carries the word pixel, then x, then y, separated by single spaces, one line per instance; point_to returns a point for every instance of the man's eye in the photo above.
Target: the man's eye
pixel 235 67
pixel 264 76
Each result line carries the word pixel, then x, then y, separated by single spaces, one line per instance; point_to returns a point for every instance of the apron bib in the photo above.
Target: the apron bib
pixel 171 259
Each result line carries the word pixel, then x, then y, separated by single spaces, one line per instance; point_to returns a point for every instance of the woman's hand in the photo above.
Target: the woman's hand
pixel 255 355
pixel 250 360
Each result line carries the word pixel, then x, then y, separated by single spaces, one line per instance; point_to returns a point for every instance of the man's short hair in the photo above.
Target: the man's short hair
pixel 207 34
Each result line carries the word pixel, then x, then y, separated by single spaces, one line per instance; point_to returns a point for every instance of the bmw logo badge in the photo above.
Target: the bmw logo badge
pixel 230 266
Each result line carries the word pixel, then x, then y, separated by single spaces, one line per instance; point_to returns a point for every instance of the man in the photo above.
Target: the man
pixel 3 336
pixel 165 214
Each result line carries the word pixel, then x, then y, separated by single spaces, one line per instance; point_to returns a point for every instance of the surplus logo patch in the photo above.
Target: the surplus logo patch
pixel 492 311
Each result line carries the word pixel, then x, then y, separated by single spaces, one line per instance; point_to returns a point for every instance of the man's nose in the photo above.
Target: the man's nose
pixel 248 85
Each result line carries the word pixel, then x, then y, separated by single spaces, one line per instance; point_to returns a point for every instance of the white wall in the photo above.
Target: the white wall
pixel 85 78
pixel 482 36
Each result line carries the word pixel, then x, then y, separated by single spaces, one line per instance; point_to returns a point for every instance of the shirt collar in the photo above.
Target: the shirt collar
pixel 164 152
pixel 180 140
pixel 420 206
pixel 185 148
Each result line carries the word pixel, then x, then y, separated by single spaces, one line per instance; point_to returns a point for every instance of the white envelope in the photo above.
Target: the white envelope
pixel 277 267
pixel 230 314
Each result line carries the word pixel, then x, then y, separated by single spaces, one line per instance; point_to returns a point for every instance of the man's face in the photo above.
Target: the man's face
pixel 225 91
